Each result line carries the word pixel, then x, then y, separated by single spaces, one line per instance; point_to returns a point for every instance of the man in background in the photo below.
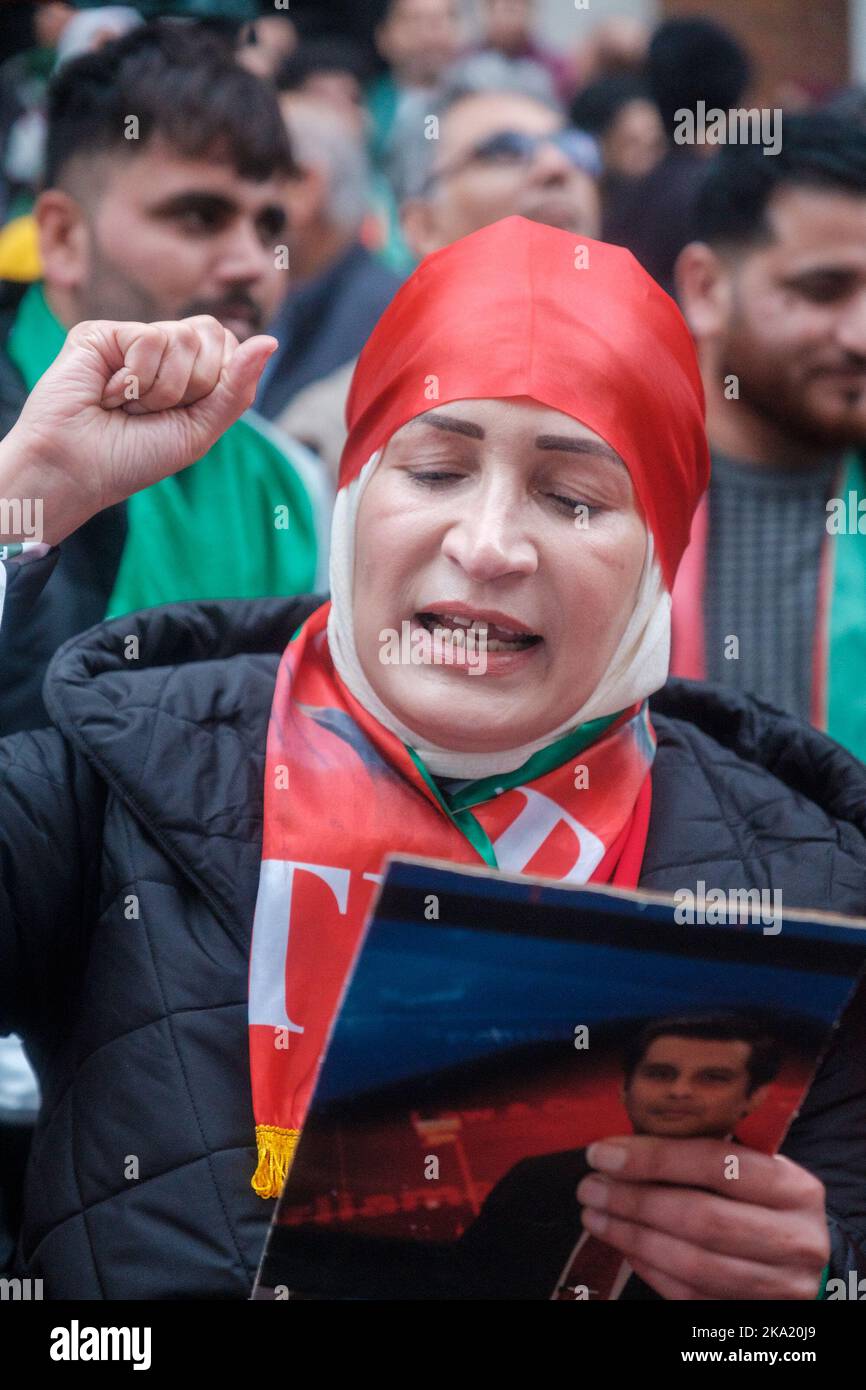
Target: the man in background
pixel 509 27
pixel 167 167
pixel 502 149
pixel 264 44
pixel 417 40
pixel 338 287
pixel 331 69
pixel 690 60
pixel 770 594
pixel 620 112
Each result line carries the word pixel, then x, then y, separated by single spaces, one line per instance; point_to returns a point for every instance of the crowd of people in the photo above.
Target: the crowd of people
pixel 291 341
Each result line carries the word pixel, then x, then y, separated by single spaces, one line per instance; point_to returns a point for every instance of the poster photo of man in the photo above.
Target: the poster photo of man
pixel 685 1078
pixel 461 1150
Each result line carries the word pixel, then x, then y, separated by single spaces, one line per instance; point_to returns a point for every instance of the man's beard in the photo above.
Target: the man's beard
pixel 234 310
pixel 780 399
pixel 112 295
pixel 784 405
pixel 109 294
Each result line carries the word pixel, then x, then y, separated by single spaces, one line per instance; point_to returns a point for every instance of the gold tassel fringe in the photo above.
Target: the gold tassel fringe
pixel 276 1148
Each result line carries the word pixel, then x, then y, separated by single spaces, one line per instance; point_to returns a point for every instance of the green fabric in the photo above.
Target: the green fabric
pixel 382 102
pixel 36 64
pixel 35 337
pixel 456 805
pixel 382 99
pixel 395 252
pixel 211 531
pixel 846 696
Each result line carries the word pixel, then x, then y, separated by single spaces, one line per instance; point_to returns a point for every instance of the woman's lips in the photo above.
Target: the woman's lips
pixel 492 625
pixel 480 659
pixel 506 663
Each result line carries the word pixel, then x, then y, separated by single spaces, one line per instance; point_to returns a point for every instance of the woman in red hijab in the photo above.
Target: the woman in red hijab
pixel 494 490
pixel 525 453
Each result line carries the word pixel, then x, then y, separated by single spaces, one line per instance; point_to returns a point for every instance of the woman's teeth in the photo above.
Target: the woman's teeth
pixel 504 641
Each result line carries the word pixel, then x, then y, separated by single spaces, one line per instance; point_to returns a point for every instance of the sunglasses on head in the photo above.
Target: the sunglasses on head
pixel 516 147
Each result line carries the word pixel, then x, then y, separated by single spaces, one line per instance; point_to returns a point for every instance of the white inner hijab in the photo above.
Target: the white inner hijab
pixel 639 664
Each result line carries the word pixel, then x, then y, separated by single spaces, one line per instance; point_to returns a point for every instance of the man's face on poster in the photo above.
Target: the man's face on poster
pixel 689 1087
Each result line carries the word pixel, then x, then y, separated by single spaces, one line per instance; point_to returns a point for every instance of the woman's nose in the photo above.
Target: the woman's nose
pixel 489 541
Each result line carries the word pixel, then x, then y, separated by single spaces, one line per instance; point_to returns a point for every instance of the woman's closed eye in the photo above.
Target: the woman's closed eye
pixel 432 476
pixel 571 504
pixel 436 477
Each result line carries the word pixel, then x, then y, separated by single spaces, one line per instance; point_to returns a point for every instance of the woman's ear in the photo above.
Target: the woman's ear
pixel 703 291
pixel 64 239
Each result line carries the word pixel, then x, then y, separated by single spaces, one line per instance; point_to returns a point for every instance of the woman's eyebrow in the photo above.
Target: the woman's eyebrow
pixel 572 445
pixel 595 448
pixel 450 422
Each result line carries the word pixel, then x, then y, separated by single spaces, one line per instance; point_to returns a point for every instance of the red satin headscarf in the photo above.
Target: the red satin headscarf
pixel 521 309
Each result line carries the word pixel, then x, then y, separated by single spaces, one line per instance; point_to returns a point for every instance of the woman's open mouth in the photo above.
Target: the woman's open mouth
pixel 490 636
pixel 476 645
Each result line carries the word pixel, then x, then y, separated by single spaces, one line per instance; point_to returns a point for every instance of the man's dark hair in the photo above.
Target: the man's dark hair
pixel 765 1057
pixel 321 55
pixel 596 108
pixel 181 84
pixel 818 150
pixel 692 60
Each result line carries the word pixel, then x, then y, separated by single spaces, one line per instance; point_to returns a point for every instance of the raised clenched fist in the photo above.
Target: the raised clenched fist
pixel 124 405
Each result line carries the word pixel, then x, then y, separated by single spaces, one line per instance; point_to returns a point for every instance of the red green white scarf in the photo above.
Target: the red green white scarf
pixel 341 793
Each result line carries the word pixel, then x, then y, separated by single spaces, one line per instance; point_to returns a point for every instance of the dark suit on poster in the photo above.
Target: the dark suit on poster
pixel 516 1248
pixel 528 1228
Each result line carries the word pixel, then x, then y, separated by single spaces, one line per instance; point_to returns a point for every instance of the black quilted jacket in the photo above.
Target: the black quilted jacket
pixel 150 783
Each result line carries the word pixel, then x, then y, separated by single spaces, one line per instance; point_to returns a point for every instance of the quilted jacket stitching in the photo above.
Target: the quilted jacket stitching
pixel 186 1081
